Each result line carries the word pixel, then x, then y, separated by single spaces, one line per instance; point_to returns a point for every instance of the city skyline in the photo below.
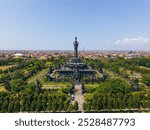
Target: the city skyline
pixel 52 25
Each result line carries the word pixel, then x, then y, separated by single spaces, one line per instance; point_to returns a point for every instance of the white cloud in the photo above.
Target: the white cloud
pixel 133 41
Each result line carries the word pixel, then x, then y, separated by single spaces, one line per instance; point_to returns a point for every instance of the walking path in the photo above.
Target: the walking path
pixel 79 97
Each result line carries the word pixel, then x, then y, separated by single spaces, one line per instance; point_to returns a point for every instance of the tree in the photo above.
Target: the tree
pixel 17 106
pixel 146 79
pixel 5 106
pixel 17 85
pixel 27 105
pixel 94 103
pixel 129 102
pixel 110 104
pixel 66 105
pixel 54 107
pixel 39 86
pixel 49 106
pixel 38 106
pixel 33 106
pixel 71 108
pixel 76 105
pixel 60 104
pixel 11 107
pixel 87 106
pixel 44 103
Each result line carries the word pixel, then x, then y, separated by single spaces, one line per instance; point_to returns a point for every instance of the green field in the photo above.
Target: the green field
pixel 95 85
pixel 56 85
pixel 6 67
pixel 2 88
pixel 146 68
pixel 40 76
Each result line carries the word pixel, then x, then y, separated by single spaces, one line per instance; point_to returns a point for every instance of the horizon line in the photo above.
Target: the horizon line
pixel 71 50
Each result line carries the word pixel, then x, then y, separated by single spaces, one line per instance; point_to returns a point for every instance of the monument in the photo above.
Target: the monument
pixel 75 69
pixel 75 43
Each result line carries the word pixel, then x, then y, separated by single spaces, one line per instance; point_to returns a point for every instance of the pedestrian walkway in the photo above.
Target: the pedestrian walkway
pixel 79 97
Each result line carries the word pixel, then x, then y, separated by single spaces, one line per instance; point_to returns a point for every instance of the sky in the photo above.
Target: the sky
pixel 53 24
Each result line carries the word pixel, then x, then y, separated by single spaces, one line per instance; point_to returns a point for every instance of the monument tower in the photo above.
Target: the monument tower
pixel 76 43
pixel 75 68
pixel 75 59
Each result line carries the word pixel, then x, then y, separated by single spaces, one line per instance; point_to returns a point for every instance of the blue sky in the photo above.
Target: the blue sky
pixel 53 24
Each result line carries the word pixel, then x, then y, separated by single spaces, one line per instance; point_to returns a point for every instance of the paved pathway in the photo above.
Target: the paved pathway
pixel 79 97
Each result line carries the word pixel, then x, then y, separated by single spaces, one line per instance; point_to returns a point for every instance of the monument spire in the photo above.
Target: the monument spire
pixel 76 43
pixel 75 38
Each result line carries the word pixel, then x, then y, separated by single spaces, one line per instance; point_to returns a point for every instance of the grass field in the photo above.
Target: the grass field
pixel 6 67
pixel 56 85
pixel 146 68
pixel 2 89
pixel 39 76
pixel 95 85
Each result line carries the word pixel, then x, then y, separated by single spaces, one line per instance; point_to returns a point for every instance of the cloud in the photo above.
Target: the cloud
pixel 133 41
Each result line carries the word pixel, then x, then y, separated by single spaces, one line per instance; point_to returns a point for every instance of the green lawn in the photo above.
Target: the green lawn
pixel 6 67
pixel 2 88
pixel 95 85
pixel 48 63
pixel 56 85
pixel 40 75
pixel 146 68
pixel 53 85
